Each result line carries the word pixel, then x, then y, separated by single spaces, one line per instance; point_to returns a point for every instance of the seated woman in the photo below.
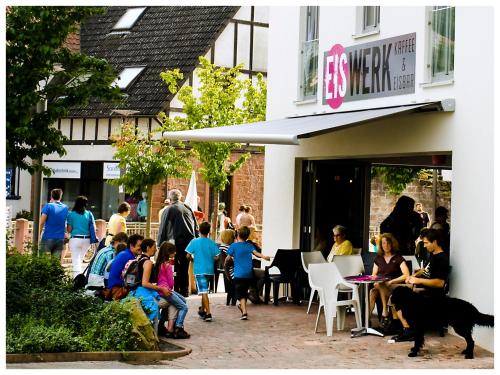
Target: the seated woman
pixel 147 291
pixel 341 246
pixel 390 264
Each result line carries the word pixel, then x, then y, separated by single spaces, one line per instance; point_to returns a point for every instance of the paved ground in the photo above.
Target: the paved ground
pixel 283 337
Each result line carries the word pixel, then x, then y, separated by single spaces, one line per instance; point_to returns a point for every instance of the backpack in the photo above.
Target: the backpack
pixel 132 272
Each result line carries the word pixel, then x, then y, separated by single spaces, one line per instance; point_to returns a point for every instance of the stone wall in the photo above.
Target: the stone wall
pixel 382 202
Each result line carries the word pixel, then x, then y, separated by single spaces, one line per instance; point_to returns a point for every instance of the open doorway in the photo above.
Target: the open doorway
pixel 349 193
pixel 334 193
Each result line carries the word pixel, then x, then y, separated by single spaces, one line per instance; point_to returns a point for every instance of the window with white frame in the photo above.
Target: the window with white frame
pixel 442 42
pixel 128 20
pixel 127 76
pixel 371 19
pixel 309 53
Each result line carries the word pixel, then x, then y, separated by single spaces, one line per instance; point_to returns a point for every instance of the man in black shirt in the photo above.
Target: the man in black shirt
pixel 433 278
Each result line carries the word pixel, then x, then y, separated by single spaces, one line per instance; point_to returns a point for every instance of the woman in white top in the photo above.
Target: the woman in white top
pixel 117 223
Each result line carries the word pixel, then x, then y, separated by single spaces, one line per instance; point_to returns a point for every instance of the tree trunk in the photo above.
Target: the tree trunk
pixel 213 221
pixel 149 201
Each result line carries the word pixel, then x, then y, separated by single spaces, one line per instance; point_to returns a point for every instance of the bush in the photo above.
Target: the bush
pixel 112 329
pixel 23 214
pixel 35 271
pixel 45 315
pixel 34 337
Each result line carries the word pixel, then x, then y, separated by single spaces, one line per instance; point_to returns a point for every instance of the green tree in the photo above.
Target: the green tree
pixel 146 160
pixel 41 70
pixel 396 178
pixel 215 106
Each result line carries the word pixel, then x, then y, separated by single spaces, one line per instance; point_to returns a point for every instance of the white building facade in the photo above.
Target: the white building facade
pixel 400 56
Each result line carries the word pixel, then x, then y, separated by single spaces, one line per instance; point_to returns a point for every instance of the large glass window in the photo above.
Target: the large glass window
pixel 309 53
pixel 371 19
pixel 442 41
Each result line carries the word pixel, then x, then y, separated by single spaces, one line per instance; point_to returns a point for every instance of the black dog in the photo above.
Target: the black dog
pixel 424 312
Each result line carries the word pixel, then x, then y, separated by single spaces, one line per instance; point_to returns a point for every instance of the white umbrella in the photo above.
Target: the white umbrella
pixel 192 195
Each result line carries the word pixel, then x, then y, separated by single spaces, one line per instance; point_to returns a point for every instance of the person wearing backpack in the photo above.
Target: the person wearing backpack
pixel 144 289
pixel 116 287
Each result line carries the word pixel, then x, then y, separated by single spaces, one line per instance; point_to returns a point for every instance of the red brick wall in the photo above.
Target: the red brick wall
pixel 72 42
pixel 247 188
pixel 382 203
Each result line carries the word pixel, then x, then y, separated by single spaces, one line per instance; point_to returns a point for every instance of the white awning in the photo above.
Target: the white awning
pixel 288 131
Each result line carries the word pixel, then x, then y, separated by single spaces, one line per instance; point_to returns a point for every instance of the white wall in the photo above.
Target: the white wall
pixel 467 133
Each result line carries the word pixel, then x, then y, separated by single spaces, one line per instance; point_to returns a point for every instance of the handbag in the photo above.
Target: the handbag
pixel 93 236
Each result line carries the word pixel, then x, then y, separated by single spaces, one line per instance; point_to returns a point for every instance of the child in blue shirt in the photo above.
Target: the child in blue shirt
pixel 242 252
pixel 203 251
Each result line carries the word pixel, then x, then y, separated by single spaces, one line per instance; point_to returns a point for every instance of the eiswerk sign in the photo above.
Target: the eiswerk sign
pixel 382 68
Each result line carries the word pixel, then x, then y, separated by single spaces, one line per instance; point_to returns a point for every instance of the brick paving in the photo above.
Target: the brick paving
pixel 283 337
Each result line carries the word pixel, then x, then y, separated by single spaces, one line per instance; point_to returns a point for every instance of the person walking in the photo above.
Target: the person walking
pixel 203 251
pixel 117 222
pixel 79 223
pixel 241 252
pixel 53 224
pixel 178 226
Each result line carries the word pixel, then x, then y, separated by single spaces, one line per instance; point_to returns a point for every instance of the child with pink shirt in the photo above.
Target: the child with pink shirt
pixel 165 270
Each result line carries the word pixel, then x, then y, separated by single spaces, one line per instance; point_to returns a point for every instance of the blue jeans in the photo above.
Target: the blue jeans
pixel 179 302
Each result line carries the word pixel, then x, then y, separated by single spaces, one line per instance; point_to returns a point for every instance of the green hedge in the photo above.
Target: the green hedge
pixel 45 315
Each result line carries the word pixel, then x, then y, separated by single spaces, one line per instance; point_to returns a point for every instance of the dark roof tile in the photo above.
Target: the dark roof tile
pixel 163 38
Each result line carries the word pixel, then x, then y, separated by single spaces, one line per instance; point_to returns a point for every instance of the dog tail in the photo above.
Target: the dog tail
pixel 484 320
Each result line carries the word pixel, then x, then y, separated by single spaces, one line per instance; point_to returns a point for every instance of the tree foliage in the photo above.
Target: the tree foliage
pixel 146 160
pixel 223 99
pixel 395 178
pixel 40 69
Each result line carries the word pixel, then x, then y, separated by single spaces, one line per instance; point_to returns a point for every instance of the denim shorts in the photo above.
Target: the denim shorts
pixel 202 282
pixel 55 247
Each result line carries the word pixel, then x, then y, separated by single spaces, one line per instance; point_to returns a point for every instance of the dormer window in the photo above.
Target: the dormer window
pixel 128 20
pixel 127 76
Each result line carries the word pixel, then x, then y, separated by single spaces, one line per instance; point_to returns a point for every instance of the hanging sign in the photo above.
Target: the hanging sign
pixel 373 70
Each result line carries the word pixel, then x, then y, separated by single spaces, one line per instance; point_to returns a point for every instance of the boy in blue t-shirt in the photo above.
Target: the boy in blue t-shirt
pixel 242 252
pixel 203 251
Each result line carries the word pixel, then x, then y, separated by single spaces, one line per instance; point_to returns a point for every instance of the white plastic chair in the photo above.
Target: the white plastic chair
pixel 356 250
pixel 309 257
pixel 328 281
pixel 349 265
